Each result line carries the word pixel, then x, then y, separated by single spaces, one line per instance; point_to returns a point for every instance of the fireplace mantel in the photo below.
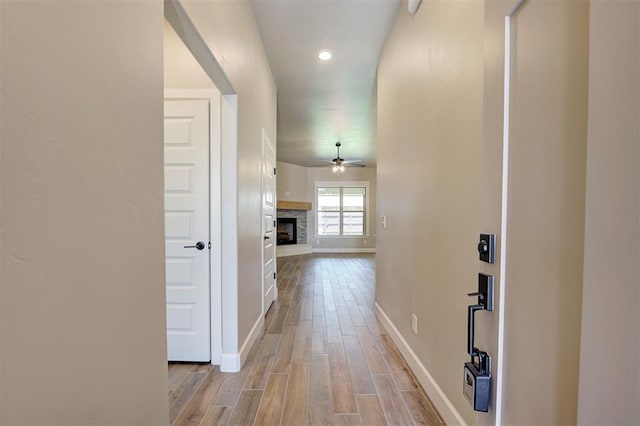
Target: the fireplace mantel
pixel 294 205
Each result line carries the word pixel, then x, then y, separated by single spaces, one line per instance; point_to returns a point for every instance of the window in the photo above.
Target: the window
pixel 341 209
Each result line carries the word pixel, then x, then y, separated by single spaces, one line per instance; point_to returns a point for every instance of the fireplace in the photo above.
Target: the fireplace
pixel 287 231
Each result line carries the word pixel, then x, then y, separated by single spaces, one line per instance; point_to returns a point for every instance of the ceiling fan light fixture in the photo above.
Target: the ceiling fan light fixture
pixel 341 168
pixel 335 169
pixel 325 55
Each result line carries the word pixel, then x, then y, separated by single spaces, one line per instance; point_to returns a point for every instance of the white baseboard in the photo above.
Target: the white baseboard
pixel 232 362
pixel 440 400
pixel 293 250
pixel 255 332
pixel 344 250
pixel 229 362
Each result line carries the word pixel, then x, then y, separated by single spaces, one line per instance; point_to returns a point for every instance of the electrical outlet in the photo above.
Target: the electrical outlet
pixel 414 323
pixel 365 242
pixel 384 222
pixel 318 242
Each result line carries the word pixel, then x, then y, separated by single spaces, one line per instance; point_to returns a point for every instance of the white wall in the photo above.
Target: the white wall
pixel 82 278
pixel 230 31
pixel 610 347
pixel 292 182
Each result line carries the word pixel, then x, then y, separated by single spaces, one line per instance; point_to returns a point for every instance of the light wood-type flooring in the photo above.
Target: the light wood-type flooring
pixel 323 359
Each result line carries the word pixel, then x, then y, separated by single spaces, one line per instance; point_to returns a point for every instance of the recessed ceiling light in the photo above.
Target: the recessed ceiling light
pixel 324 55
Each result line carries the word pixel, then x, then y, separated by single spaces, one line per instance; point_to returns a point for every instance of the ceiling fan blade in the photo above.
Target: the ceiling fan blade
pixel 351 161
pixel 354 165
pixel 321 165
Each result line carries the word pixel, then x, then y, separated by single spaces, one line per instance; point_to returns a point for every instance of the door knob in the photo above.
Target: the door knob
pixel 266 237
pixel 199 245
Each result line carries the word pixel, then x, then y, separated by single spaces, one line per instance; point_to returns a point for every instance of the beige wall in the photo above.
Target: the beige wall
pixel 545 233
pixel 610 355
pixel 292 182
pixel 429 164
pixel 181 70
pixel 350 174
pixel 83 304
pixel 439 143
pixel 230 30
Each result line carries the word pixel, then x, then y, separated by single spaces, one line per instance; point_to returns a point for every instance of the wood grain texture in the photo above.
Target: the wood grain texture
pixel 360 376
pixel 293 205
pixel 370 410
pixel 372 354
pixel 318 336
pixel 259 373
pixel 197 407
pixel 183 394
pixel 392 402
pixel 421 408
pixel 246 408
pixel 344 400
pixel 397 366
pixel 217 415
pixel 270 410
pixel 295 407
pixel 177 373
pixel 323 359
pixel 302 344
pixel 320 405
pixel 282 359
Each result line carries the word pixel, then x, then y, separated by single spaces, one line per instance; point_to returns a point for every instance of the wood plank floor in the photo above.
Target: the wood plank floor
pixel 323 359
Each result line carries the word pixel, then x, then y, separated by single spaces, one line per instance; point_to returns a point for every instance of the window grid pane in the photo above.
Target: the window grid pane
pixel 328 223
pixel 341 210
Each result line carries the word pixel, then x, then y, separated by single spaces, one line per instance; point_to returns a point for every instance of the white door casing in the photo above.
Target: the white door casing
pixel 186 165
pixel 269 289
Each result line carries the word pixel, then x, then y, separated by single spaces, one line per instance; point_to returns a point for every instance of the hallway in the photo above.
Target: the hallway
pixel 323 359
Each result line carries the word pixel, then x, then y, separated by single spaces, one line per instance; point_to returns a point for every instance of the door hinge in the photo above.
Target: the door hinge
pixel 274 275
pixel 274 170
pixel 209 245
pixel 274 223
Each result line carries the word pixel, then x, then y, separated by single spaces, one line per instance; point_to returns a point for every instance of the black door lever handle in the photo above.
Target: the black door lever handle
pixel 199 245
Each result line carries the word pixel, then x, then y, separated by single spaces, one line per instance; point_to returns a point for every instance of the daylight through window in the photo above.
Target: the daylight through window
pixel 341 210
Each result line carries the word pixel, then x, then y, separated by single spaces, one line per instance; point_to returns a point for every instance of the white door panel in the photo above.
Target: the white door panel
pixel 186 162
pixel 269 216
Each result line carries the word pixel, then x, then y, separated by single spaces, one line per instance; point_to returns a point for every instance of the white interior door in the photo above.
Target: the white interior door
pixel 186 204
pixel 268 218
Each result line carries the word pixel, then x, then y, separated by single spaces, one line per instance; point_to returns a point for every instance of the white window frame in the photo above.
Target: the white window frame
pixel 341 184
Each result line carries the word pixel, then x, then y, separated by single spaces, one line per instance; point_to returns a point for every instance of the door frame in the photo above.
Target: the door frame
pixel 215 219
pixel 267 140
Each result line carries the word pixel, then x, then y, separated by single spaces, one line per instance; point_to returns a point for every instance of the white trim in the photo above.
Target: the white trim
pixel 266 141
pixel 504 210
pixel 344 250
pixel 229 214
pixel 232 362
pixel 227 243
pixel 183 26
pixel 440 400
pixel 215 259
pixel 293 250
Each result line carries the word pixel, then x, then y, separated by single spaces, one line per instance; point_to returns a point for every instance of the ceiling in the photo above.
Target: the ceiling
pixel 321 102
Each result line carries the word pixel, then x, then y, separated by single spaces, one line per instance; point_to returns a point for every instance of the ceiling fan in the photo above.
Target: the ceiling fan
pixel 338 164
